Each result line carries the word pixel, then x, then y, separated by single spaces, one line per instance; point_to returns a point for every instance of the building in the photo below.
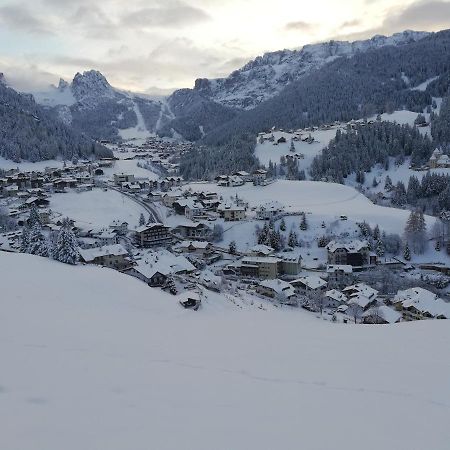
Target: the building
pixel 291 265
pixel 355 253
pixel 120 227
pixel 339 275
pixel 153 234
pixel 335 298
pixel 113 256
pixel 106 238
pixel 309 283
pixel 196 247
pixel 259 176
pixel 260 267
pixel 231 213
pixel 362 295
pixel 261 250
pixel 276 289
pixel 439 159
pixel 193 231
pixel 269 211
pixel 120 178
pixel 381 315
pixel 418 304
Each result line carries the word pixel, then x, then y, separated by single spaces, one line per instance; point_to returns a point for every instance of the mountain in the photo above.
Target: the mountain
pixel 375 81
pixel 267 75
pixel 91 105
pixel 30 132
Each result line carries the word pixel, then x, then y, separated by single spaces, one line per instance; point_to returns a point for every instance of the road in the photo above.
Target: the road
pixel 153 215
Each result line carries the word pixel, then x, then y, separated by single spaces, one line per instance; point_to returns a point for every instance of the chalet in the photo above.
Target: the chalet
pixel 261 250
pixel 418 304
pixel 210 280
pixel 231 213
pixel 171 196
pixel 243 174
pixel 197 247
pixel 106 238
pixel 439 160
pixel 269 210
pixel 381 315
pixel 309 283
pixel 193 231
pixel 335 298
pixel 194 210
pixel 339 275
pixel 354 253
pixel 362 295
pixel 120 178
pixel 62 183
pixel 259 176
pixel 276 289
pixel 120 227
pixel 153 234
pixel 113 256
pixel 190 300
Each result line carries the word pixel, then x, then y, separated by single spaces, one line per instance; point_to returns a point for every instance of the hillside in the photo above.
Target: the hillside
pixel 94 359
pixel 28 132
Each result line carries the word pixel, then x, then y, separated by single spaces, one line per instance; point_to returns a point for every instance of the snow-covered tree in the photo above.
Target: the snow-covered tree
pixel 142 219
pixel 293 239
pixel 407 252
pixel 303 223
pixel 292 146
pixel 171 285
pixel 66 246
pixel 232 248
pixel 282 225
pixel 38 243
pixel 33 218
pixel 25 239
pixel 388 184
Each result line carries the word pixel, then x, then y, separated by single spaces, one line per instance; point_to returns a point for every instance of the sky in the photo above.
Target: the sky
pixel 148 45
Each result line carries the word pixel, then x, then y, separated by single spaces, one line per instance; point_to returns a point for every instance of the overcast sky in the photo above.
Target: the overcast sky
pixel 141 44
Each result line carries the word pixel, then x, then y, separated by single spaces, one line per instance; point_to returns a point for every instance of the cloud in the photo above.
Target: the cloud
pixel 171 13
pixel 299 26
pixel 20 18
pixel 421 15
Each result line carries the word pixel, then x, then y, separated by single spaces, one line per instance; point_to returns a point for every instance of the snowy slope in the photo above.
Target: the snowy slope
pixel 327 200
pixel 94 359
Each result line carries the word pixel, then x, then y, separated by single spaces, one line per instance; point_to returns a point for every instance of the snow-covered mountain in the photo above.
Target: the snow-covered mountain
pixel 267 75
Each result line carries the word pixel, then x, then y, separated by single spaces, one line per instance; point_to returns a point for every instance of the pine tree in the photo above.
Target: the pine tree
pixel 38 242
pixel 293 239
pixel 303 223
pixel 282 225
pixel 376 233
pixel 66 246
pixel 407 253
pixel 141 219
pixel 34 218
pixel 232 248
pixel 171 285
pixel 380 248
pixel 25 239
pixel 388 184
pixel 292 147
pixel 437 246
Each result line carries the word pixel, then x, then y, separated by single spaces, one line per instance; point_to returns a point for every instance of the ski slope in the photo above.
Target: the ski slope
pixel 93 359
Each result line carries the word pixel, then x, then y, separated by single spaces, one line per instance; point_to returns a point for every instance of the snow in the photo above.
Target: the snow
pixel 139 132
pixel 95 359
pixel 267 152
pixel 55 97
pixel 97 208
pixel 128 166
pixel 327 201
pixel 422 86
pixel 28 166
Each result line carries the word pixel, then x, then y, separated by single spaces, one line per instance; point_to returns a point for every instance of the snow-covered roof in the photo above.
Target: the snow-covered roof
pixel 311 281
pixel 346 268
pixel 424 301
pixel 271 206
pixel 279 286
pixel 149 226
pixel 352 246
pixel 164 262
pixel 91 254
pixel 200 245
pixel 362 289
pixel 260 259
pixel 360 300
pixel 336 295
pixel 261 248
pixel 388 314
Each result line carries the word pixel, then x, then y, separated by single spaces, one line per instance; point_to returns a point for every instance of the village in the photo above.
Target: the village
pixel 191 238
